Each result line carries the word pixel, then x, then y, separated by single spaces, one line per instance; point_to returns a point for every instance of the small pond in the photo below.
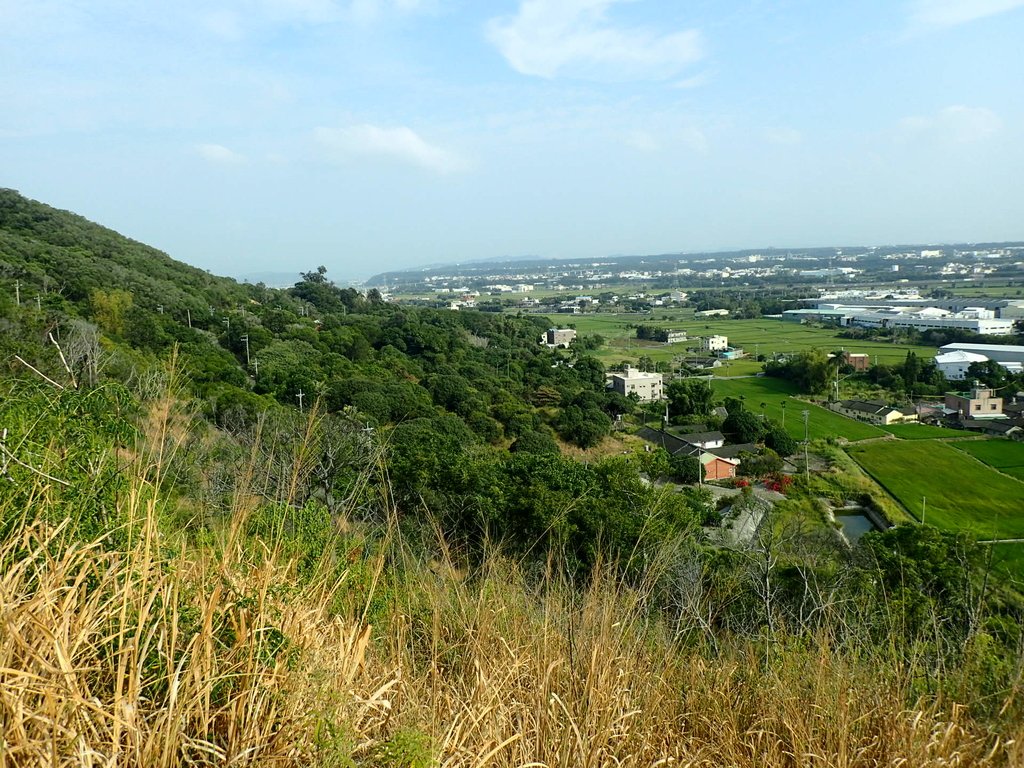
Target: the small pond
pixel 855 526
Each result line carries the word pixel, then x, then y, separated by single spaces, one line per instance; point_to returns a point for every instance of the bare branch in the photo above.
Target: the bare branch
pixel 11 457
pixel 64 361
pixel 38 372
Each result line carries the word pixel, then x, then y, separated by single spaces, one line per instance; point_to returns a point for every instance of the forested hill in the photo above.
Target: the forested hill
pixel 58 253
pixel 455 396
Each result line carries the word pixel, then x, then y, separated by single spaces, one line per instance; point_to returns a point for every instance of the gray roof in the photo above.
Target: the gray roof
pixel 702 437
pixel 670 443
pixel 683 429
pixel 1000 427
pixel 867 406
pixel 733 451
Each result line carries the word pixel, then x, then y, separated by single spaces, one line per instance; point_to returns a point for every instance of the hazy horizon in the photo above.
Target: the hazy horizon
pixel 373 135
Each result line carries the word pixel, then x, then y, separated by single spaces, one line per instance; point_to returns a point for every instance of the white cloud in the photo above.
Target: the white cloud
pixel 958 123
pixel 642 141
pixel 223 24
pixel 233 24
pixel 692 82
pixel 787 137
pixel 548 38
pixel 399 143
pixel 693 137
pixel 950 13
pixel 218 153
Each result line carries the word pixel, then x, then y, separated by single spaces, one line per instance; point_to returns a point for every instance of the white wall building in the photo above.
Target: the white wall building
pixel 896 319
pixel 954 365
pixel 559 337
pixel 1001 353
pixel 714 343
pixel 646 386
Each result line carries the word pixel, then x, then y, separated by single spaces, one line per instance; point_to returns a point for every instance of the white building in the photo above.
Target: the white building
pixel 954 365
pixel 893 318
pixel 646 386
pixel 714 343
pixel 711 313
pixel 559 337
pixel 1001 353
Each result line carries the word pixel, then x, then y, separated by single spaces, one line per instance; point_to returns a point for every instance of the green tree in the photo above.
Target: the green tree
pixel 109 309
pixel 742 426
pixel 689 398
pixel 535 441
pixel 687 469
pixel 779 440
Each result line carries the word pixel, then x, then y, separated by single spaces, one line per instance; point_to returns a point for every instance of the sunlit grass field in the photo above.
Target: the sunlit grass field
pixel 765 336
pixel 1005 455
pixel 961 493
pixel 921 431
pixel 777 396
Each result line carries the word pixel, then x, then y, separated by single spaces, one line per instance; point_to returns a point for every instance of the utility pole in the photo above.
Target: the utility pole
pixel 300 396
pixel 807 466
pixel 783 404
pixel 923 508
pixel 39 303
pixel 227 322
pixel 160 308
pixel 17 292
pixel 246 340
pixel 256 366
pixel 188 314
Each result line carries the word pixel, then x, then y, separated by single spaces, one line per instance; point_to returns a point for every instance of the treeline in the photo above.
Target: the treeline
pixel 814 371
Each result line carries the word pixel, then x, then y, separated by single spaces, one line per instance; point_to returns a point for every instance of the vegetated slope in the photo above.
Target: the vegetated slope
pixel 292 635
pixel 223 577
pixel 58 253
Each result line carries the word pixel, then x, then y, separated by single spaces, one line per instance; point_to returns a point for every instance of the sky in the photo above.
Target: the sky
pixel 248 136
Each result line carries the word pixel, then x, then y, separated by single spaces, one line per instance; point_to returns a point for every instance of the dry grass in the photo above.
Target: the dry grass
pixel 587 680
pixel 124 658
pixel 129 655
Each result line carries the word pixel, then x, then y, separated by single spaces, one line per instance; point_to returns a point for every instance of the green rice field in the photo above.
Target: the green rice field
pixel 822 423
pixel 921 431
pixel 961 493
pixel 1005 455
pixel 765 336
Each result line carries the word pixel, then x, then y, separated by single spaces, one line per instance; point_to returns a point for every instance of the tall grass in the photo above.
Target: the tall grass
pixel 125 650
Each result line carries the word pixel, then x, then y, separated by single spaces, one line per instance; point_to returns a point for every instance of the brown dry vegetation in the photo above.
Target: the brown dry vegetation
pixel 150 653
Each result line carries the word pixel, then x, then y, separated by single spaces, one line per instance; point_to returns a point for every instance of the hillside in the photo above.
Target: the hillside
pixel 60 254
pixel 309 527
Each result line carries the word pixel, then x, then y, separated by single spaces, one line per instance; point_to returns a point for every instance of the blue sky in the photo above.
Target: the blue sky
pixel 276 135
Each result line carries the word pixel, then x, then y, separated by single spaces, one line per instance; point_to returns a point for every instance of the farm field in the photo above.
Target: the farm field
pixel 764 336
pixel 1005 455
pixel 961 493
pixel 822 422
pixel 921 431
